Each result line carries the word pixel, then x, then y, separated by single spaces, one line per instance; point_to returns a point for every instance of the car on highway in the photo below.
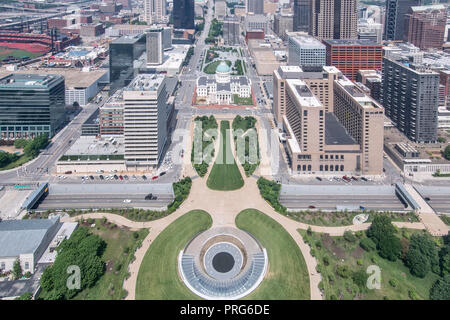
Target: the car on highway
pixel 127 201
pixel 427 199
pixel 319 178
pixel 120 177
pixel 154 177
pixel 150 196
pixel 312 207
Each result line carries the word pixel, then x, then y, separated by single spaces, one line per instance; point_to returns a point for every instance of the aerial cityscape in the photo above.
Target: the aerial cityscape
pixel 224 150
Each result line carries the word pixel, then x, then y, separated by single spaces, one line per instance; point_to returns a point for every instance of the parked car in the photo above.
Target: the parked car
pixel 154 177
pixel 162 173
pixel 68 172
pixel 120 177
pixel 355 178
pixel 101 177
pixel 116 177
pixel 125 177
pixel 91 177
pixel 127 201
pixel 364 179
pixel 319 178
pixel 144 177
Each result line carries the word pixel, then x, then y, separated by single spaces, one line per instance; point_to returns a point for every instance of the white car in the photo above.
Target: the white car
pixel 127 201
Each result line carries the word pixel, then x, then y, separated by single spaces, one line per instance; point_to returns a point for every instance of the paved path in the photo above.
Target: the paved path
pixel 430 219
pixel 223 208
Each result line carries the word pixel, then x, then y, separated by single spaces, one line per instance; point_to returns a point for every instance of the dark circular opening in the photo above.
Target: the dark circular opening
pixel 223 262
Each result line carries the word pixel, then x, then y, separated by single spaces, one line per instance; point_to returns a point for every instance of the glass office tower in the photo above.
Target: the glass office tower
pixel 31 104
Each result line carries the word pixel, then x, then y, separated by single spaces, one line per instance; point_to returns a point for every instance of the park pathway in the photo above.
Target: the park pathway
pixel 224 206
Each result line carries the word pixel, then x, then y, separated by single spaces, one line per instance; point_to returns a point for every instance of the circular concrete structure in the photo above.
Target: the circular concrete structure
pixel 222 263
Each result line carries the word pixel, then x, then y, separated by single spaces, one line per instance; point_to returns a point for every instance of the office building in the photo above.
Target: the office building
pixel 183 14
pixel 372 80
pixel 283 23
pixel 425 26
pixel 167 38
pixel 302 15
pixel 350 56
pixel 111 116
pixel 220 9
pixel 155 46
pixel 31 104
pixel 370 31
pixel 321 84
pixel 394 23
pixel 231 31
pixel 145 121
pixel 155 11
pixel 332 142
pixel 306 52
pixel 334 19
pixel 257 22
pixel 122 53
pixel 255 6
pixel 410 97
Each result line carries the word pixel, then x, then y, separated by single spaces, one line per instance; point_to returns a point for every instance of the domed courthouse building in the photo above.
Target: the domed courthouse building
pixel 222 87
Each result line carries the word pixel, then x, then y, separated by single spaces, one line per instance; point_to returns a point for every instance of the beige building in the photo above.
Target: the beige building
pixel 270 7
pixel 327 142
pixel 333 21
pixel 264 57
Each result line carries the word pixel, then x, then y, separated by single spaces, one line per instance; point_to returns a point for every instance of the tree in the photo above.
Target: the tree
pixel 422 255
pixel 441 289
pixel 17 269
pixel 389 247
pixel 367 244
pixel 447 152
pixel 444 260
pixel 417 263
pixel 380 227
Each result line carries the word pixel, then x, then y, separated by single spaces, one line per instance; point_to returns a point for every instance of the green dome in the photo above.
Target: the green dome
pixel 223 67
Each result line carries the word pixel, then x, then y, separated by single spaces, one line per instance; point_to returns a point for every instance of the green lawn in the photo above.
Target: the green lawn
pixel 18 53
pixel 22 160
pixel 158 275
pixel 120 248
pixel 287 276
pixel 332 252
pixel 211 67
pixel 225 177
pixel 242 101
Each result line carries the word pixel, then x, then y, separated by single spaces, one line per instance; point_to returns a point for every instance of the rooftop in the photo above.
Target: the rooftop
pixel 357 94
pixel 307 41
pixel 303 94
pixel 29 81
pixel 74 77
pixel 335 133
pixel 91 145
pixel 23 236
pixel 128 39
pixel 145 82
pixel 359 42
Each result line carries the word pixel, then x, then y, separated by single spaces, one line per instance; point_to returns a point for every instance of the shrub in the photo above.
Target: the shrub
pixel 343 271
pixel 412 295
pixel 349 236
pixel 360 278
pixel 325 260
pixel 367 244
pixel 393 283
pixel 441 289
pixel 359 262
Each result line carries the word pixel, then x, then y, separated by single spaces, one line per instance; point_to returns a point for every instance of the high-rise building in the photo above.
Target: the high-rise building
pixel 363 118
pixel 328 142
pixel 257 22
pixel 145 120
pixel 350 56
pixel 220 9
pixel 231 30
pixel 155 46
pixel 167 38
pixel 302 15
pixel 183 14
pixel 122 53
pixel 306 52
pixel 425 26
pixel 155 11
pixel 255 6
pixel 410 97
pixel 31 104
pixel 283 23
pixel 394 23
pixel 334 19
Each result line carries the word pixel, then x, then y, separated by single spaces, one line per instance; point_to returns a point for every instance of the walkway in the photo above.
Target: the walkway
pixel 223 208
pixel 430 219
